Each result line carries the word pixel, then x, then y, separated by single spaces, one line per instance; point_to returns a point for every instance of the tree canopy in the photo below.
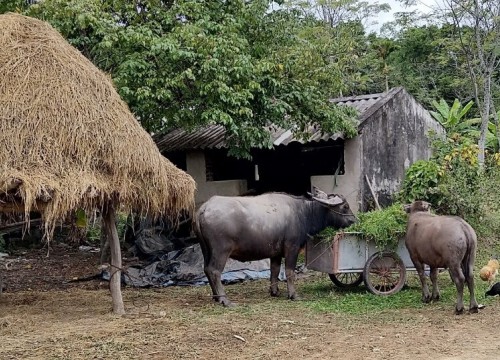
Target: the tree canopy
pixel 187 64
pixel 246 64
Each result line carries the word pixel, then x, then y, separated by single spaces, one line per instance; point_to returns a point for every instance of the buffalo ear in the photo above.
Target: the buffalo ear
pixel 330 201
pixel 407 208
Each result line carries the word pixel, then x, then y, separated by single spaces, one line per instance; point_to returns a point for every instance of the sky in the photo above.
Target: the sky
pixel 423 6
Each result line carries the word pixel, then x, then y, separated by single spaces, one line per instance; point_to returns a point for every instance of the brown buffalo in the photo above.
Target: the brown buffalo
pixel 271 226
pixel 442 242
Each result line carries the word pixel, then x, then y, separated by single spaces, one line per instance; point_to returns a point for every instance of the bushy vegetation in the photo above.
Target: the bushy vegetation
pixel 453 180
pixel 94 229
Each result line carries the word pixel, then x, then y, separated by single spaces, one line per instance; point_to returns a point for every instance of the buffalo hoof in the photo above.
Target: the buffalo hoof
pixel 473 310
pixel 227 303
pixel 293 297
pixel 459 311
pixel 435 297
pixel 224 301
pixel 426 299
pixel 274 293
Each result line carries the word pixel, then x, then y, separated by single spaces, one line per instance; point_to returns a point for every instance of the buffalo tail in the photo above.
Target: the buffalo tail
pixel 199 234
pixel 470 254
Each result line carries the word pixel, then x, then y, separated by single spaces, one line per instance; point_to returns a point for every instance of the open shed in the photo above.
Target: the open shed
pixel 393 133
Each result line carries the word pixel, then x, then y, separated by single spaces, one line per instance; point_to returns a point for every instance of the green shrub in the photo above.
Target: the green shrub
pixel 422 181
pixel 454 184
pixel 94 228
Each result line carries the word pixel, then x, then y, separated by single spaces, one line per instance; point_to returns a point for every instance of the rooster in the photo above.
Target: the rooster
pixel 489 271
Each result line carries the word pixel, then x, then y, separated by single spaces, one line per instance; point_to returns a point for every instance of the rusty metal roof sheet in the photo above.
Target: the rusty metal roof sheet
pixel 213 136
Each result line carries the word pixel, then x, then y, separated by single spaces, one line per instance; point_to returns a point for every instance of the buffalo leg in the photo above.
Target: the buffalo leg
pixel 426 297
pixel 290 264
pixel 458 278
pixel 275 271
pixel 435 289
pixel 473 307
pixel 213 271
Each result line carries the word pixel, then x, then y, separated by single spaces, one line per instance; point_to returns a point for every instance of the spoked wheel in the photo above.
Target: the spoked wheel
pixel 346 280
pixel 384 273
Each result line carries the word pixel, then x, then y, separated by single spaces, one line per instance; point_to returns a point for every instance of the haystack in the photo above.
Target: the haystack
pixel 67 139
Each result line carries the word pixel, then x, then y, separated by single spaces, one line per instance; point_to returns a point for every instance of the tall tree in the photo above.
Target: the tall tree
pixel 336 12
pixel 428 60
pixel 383 48
pixel 13 5
pixel 345 24
pixel 481 46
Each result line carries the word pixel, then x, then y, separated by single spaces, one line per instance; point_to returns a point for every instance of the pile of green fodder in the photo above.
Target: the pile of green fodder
pixel 384 227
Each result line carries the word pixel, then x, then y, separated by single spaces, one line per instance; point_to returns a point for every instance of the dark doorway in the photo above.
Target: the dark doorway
pixel 289 168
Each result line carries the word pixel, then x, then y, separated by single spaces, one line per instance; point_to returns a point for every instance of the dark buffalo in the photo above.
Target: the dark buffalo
pixel 442 242
pixel 273 225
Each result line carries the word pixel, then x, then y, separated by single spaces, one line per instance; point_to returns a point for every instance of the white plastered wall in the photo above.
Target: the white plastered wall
pixel 195 166
pixel 349 183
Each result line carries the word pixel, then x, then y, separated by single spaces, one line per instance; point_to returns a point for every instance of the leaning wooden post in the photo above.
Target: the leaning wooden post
pixel 373 193
pixel 108 218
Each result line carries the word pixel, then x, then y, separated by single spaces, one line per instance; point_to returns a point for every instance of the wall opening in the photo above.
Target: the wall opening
pixel 220 166
pixel 178 158
pixel 289 168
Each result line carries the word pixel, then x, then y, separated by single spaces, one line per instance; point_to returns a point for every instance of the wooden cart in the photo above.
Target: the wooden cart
pixel 350 259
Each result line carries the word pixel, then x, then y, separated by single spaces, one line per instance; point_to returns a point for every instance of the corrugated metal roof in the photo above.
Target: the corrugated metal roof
pixel 213 136
pixel 360 103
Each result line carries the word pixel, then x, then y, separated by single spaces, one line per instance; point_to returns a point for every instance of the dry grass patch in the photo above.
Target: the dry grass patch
pixel 183 323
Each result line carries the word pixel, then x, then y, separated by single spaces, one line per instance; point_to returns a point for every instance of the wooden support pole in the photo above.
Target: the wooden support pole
pixel 373 193
pixel 108 218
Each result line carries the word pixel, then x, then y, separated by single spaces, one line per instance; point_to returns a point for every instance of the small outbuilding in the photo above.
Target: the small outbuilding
pixel 393 133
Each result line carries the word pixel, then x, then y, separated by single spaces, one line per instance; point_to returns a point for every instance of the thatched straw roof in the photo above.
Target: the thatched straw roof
pixel 67 139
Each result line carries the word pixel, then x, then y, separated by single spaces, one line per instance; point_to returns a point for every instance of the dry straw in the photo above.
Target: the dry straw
pixel 67 139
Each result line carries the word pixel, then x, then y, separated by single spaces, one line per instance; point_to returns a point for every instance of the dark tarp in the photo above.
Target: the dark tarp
pixel 185 267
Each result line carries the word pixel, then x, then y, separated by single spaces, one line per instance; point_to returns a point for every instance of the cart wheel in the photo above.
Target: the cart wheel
pixel 384 273
pixel 346 280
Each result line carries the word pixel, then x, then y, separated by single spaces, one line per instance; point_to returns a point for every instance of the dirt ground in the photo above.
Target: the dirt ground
pixel 42 316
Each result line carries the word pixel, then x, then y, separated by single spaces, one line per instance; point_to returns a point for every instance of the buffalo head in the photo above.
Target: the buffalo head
pixel 340 214
pixel 416 206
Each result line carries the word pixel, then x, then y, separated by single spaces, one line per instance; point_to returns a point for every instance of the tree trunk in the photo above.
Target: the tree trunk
pixel 386 75
pixel 116 259
pixel 497 124
pixel 485 117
